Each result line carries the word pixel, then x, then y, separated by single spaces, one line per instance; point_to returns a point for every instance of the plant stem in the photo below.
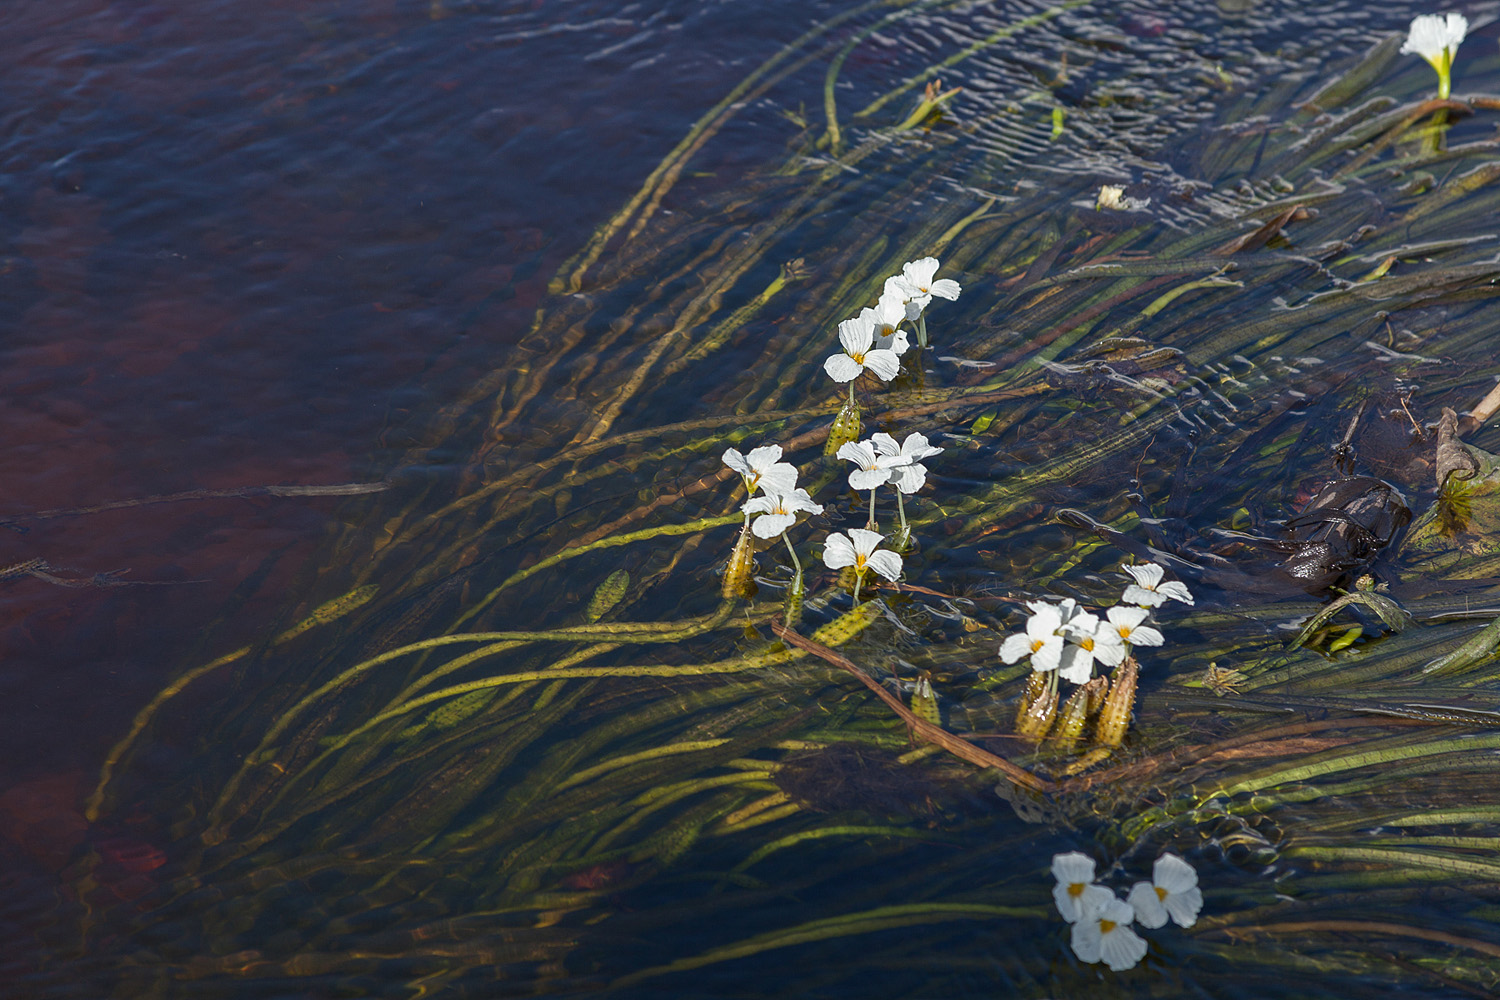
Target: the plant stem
pixel 871 524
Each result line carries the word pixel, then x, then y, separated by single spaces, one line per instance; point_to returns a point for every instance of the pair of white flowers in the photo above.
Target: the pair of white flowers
pixel 873 341
pixel 1101 920
pixel 881 460
pixel 1068 639
pixel 781 500
pixel 1436 38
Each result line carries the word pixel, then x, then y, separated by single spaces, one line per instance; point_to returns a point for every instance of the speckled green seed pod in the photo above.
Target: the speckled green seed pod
pixel 846 427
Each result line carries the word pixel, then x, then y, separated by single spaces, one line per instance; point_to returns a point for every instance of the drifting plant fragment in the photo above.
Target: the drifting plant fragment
pixel 1436 38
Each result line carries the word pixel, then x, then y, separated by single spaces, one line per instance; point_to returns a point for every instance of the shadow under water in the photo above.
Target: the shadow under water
pixel 511 740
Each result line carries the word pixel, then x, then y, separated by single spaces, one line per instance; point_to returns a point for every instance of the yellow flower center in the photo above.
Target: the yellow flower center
pixel 1106 926
pixel 859 562
pixel 860 357
pixel 1037 644
pixel 1076 888
pixel 1161 893
pixel 1087 643
pixel 1124 631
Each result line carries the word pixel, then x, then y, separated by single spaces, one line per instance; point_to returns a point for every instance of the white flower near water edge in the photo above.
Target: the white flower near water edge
pixel 1042 641
pixel 1103 934
pixel 918 283
pixel 873 468
pixel 1076 891
pixel 859 549
pixel 1436 38
pixel 1172 892
pixel 778 511
pixel 908 477
pixel 860 353
pixel 1149 591
pixel 763 469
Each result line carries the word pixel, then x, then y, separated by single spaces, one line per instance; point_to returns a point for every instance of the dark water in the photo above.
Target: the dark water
pixel 266 245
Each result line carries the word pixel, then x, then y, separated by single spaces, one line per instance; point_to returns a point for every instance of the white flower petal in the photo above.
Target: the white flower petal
pixel 764 457
pixel 869 479
pixel 1015 648
pixel 1076 900
pixel 778 478
pixel 1076 664
pixel 736 461
pixel 919 273
pixel 885 364
pixel 1129 617
pixel 1176 591
pixel 1145 635
pixel 1073 866
pixel 1087 941
pixel 1049 656
pixel 856 335
pixel 759 505
pixel 1147 905
pixel 1184 906
pixel 896 341
pixel 1173 874
pixel 842 368
pixel 884 444
pixel 1148 575
pixel 858 452
pixel 886 563
pixel 945 288
pixel 916 447
pixel 837 552
pixel 1136 594
pixel 771 525
pixel 915 306
pixel 865 540
pixel 909 478
pixel 1121 948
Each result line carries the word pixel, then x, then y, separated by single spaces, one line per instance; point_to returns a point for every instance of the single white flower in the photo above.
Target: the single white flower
pixel 1042 640
pixel 778 511
pixel 1075 891
pixel 859 550
pixel 1172 892
pixel 1126 623
pixel 1104 934
pixel 917 285
pixel 907 478
pixel 860 353
pixel 1077 660
pixel 1148 590
pixel 873 468
pixel 1436 37
pixel 885 319
pixel 762 469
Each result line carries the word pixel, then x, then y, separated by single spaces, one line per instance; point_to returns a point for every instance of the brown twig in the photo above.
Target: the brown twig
pixel 960 748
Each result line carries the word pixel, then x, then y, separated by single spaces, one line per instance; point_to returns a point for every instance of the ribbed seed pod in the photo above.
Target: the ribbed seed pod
pixel 1114 719
pixel 791 606
pixel 1075 711
pixel 1038 705
pixel 737 578
pixel 924 703
pixel 846 427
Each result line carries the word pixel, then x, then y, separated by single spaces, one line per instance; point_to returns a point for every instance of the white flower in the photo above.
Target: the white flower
pixel 1042 641
pixel 1109 645
pixel 907 478
pixel 858 550
pixel 1149 592
pixel 1077 662
pixel 778 511
pixel 1104 934
pixel 858 337
pixel 885 320
pixel 1125 622
pixel 1075 890
pixel 1436 37
pixel 1172 892
pixel 874 469
pixel 917 287
pixel 762 470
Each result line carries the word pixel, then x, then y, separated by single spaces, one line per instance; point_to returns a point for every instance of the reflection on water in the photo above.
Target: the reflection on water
pixel 431 741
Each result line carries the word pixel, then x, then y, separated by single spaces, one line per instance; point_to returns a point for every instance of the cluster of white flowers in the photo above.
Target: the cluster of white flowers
pixel 873 341
pixel 780 500
pixel 1068 639
pixel 1101 920
pixel 1436 38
